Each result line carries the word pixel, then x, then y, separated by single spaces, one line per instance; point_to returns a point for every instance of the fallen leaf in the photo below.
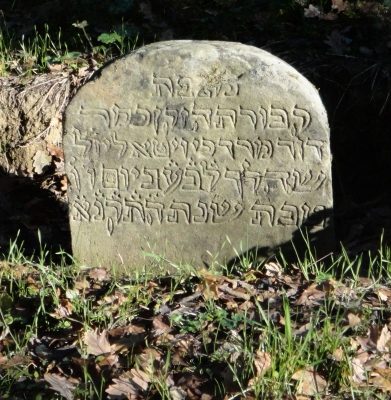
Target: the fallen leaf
pixel 272 269
pixel 122 387
pixel 310 382
pixel 337 41
pixel 177 393
pixel 381 340
pixel 262 363
pixel 159 326
pixel 64 308
pixel 311 295
pixel 99 274
pixel 61 385
pixel 312 11
pixel 140 378
pixel 339 5
pixel 354 319
pixel 380 378
pixel 97 343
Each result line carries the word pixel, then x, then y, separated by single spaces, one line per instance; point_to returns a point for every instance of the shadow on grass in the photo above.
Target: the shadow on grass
pixel 26 209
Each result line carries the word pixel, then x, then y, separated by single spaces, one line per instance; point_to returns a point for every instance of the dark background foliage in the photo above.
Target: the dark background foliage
pixel 343 51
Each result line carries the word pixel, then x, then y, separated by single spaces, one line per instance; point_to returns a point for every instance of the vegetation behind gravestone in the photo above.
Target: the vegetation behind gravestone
pixel 342 47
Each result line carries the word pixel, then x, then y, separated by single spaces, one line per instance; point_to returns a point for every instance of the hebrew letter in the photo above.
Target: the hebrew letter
pixel 194 178
pixel 116 203
pixel 225 211
pixel 160 149
pixel 134 207
pixel 200 118
pixel 203 217
pixel 290 216
pixel 163 86
pixel 97 112
pixel 110 178
pixel 278 118
pixel 246 144
pixel 176 207
pixel 229 145
pixel 157 208
pixel 250 114
pixel 122 143
pixel 142 117
pixel 83 209
pixel 124 174
pixel 226 118
pixel 185 87
pixel 152 175
pixel 263 211
pixel 301 119
pixel 173 175
pixel 319 146
pixel 99 204
pixel 211 170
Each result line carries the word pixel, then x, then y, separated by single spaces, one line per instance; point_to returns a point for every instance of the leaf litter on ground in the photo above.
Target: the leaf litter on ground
pixel 202 335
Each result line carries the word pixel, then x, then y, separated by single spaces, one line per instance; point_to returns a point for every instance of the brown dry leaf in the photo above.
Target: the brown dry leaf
pixel 140 378
pixel 382 340
pixel 56 151
pixel 359 374
pixel 99 274
pixel 109 359
pixel 339 5
pixel 159 326
pixel 310 382
pixel 381 379
pixel 177 393
pixel 55 67
pixel 354 319
pixel 64 308
pixel 262 363
pixel 148 358
pixel 127 343
pixel 312 11
pixel 384 294
pixel 338 354
pixel 337 41
pixel 310 296
pixel 61 385
pixel 272 269
pixel 123 386
pixel 97 343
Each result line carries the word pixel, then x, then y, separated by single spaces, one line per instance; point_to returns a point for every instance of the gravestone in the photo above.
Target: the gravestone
pixel 195 151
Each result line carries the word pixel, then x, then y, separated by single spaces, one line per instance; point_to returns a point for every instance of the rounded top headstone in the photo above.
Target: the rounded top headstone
pixel 195 150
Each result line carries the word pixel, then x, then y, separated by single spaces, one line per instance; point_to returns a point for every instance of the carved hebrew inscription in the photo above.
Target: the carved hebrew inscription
pixel 188 152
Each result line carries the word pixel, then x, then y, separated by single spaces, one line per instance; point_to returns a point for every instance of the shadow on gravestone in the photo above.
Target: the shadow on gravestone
pixel 180 144
pixel 320 244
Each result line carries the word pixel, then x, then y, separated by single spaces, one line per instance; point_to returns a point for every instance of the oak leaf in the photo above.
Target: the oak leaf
pixel 61 385
pixel 97 343
pixel 123 387
pixel 310 382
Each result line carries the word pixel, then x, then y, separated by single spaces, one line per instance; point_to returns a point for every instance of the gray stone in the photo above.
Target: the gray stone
pixel 195 151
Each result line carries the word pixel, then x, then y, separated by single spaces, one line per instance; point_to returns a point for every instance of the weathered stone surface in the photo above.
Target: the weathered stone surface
pixel 180 145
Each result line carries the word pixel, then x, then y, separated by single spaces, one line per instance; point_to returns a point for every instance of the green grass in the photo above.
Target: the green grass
pixel 258 331
pixel 40 52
